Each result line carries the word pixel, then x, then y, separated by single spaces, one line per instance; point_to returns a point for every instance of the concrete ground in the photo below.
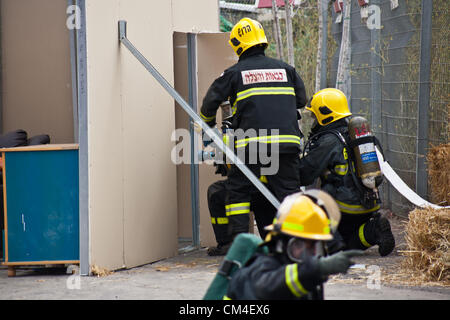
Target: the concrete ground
pixel 188 275
pixel 185 277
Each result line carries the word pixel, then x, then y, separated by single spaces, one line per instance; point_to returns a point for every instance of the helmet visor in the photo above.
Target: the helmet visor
pixel 299 250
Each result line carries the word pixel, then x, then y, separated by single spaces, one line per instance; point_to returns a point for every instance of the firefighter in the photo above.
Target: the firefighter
pixel 263 210
pixel 295 266
pixel 264 94
pixel 328 158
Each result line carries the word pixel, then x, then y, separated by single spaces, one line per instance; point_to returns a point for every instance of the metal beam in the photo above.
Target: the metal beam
pixel 194 116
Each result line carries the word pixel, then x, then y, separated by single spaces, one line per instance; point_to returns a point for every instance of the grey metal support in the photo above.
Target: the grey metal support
pixel 194 116
pixel 324 57
pixel 192 82
pixel 424 98
pixel 83 140
pixel 73 63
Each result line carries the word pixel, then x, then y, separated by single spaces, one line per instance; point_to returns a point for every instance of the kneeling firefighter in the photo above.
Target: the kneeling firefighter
pixel 338 141
pixel 294 265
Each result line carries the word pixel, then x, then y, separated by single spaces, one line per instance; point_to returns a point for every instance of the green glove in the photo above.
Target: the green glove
pixel 338 262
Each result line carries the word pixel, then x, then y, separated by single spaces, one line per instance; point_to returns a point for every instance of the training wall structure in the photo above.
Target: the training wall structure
pixel 132 180
pixel 212 55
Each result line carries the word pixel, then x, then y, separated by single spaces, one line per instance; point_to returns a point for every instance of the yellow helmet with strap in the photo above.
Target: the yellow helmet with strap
pixel 305 215
pixel 329 105
pixel 246 34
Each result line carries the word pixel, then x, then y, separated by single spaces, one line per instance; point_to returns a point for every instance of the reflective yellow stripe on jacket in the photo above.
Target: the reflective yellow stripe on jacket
pixel 355 208
pixel 207 119
pixel 269 139
pixel 291 278
pixel 263 91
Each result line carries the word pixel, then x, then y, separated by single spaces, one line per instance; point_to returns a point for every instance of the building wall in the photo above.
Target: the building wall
pixel 132 180
pixel 36 90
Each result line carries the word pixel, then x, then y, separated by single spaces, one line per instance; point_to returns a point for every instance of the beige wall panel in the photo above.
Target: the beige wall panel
pixel 182 122
pixel 214 55
pixel 36 72
pixel 133 191
pixel 105 135
pixel 195 15
pixel 150 194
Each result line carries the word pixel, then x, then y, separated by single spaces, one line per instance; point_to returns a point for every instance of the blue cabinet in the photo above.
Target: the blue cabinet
pixel 40 186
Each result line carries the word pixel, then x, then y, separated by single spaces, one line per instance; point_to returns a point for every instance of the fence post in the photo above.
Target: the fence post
pixel 289 33
pixel 277 31
pixel 424 98
pixel 323 65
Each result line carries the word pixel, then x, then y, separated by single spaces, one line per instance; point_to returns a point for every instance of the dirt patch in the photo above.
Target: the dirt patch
pixel 375 270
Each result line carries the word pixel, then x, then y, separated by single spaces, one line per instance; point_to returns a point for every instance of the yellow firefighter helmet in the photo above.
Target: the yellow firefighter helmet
pixel 329 105
pixel 245 34
pixel 310 215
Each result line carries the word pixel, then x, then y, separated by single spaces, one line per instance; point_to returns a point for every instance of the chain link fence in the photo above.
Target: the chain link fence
pixel 399 71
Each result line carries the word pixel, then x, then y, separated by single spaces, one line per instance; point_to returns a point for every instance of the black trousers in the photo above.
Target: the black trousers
pixel 358 231
pixel 263 210
pixel 240 191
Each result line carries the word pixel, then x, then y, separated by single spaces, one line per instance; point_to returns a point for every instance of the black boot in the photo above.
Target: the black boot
pixel 384 237
pixel 220 250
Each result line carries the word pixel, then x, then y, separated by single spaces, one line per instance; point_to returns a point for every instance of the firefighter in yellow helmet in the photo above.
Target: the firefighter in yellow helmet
pixel 328 157
pixel 264 94
pixel 296 265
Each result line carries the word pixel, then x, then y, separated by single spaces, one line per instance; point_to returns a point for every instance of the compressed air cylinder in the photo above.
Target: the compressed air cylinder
pixel 367 166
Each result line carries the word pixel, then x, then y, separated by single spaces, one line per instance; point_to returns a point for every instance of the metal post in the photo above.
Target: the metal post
pixel 375 76
pixel 424 98
pixel 192 81
pixel 194 116
pixel 324 58
pixel 83 140
pixel 73 63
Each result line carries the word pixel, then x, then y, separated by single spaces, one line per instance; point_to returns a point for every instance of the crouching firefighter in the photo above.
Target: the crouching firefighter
pixel 291 262
pixel 263 210
pixel 341 152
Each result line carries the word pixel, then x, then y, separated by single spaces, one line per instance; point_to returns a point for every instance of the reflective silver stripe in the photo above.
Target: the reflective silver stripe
pixel 291 278
pixel 341 169
pixel 237 208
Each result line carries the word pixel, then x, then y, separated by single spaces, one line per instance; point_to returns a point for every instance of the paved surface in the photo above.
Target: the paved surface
pixel 186 277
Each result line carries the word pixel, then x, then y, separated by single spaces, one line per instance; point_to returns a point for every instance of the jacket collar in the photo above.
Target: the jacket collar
pixel 253 51
pixel 334 125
